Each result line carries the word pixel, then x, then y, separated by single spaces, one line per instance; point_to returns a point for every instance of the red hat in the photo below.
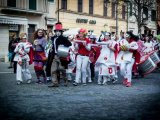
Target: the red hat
pixel 84 31
pixel 58 26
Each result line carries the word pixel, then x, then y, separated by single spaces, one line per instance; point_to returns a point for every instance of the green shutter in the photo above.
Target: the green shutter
pixel 33 4
pixel 50 0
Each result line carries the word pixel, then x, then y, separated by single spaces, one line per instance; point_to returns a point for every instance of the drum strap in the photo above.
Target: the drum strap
pixel 55 48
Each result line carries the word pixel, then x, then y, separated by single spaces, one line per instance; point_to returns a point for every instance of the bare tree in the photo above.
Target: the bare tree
pixel 140 10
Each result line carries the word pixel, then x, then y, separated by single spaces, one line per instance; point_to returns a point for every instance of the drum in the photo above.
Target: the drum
pixel 63 51
pixel 146 65
pixel 154 56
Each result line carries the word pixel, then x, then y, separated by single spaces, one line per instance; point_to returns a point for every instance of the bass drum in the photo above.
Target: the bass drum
pixel 154 56
pixel 146 65
pixel 63 54
pixel 63 51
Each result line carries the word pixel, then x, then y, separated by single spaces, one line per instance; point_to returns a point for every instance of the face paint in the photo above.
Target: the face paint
pixel 58 33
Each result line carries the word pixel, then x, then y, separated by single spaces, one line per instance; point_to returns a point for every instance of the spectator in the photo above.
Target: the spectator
pixel 39 54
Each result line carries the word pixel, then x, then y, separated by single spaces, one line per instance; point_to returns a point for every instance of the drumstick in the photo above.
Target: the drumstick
pixel 102 43
pixel 80 41
pixel 94 45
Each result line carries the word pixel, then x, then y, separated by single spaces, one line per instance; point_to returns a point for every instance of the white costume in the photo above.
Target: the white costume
pixel 22 59
pixel 126 59
pixel 106 61
pixel 149 47
pixel 72 64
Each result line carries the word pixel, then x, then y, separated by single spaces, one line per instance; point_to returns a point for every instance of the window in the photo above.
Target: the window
pixel 50 0
pixel 123 11
pixel 130 12
pixel 145 12
pixel 64 4
pixel 153 15
pixel 105 5
pixel 90 6
pixel 113 9
pixel 11 3
pixel 80 5
pixel 33 4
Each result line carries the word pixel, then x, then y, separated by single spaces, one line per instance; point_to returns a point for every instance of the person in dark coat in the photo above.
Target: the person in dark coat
pixel 11 50
pixel 55 65
pixel 11 46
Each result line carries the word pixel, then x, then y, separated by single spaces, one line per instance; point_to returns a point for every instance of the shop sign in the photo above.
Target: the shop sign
pixel 81 20
pixel 13 27
pixel 78 20
pixel 6 21
pixel 92 22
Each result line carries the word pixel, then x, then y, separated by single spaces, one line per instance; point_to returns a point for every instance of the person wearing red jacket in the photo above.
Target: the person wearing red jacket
pixel 93 56
pixel 83 47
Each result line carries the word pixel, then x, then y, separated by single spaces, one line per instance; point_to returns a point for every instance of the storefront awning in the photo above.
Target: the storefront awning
pixel 13 20
pixel 51 21
pixel 151 25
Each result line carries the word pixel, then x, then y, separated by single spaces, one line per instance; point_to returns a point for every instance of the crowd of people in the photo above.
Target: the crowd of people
pixel 108 54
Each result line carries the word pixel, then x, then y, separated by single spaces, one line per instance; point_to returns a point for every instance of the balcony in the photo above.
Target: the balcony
pixel 24 7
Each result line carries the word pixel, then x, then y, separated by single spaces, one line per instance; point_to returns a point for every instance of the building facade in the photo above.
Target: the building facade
pixel 158 17
pixel 95 15
pixel 18 16
pixel 148 16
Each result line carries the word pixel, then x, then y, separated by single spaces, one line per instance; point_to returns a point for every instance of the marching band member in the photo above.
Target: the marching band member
pixel 93 56
pixel 48 47
pixel 106 60
pixel 22 57
pixel 82 60
pixel 56 64
pixel 114 52
pixel 72 55
pixel 127 57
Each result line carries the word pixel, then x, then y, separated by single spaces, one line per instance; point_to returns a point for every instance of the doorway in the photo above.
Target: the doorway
pixel 31 30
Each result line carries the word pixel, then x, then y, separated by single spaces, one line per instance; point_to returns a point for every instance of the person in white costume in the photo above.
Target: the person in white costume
pixel 106 60
pixel 22 49
pixel 126 58
pixel 148 46
pixel 72 55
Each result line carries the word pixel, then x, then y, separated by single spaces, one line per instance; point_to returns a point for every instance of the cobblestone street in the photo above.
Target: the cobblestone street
pixel 92 102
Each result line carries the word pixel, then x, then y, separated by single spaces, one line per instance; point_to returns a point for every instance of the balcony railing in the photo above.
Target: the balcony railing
pixel 23 6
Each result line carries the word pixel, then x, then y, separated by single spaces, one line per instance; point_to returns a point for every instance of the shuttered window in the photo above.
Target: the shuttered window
pixel 105 6
pixel 80 5
pixel 33 4
pixel 11 3
pixel 64 4
pixel 90 6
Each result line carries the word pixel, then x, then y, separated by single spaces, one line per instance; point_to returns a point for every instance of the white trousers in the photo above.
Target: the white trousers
pixel 23 69
pixel 126 69
pixel 89 72
pixel 81 68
